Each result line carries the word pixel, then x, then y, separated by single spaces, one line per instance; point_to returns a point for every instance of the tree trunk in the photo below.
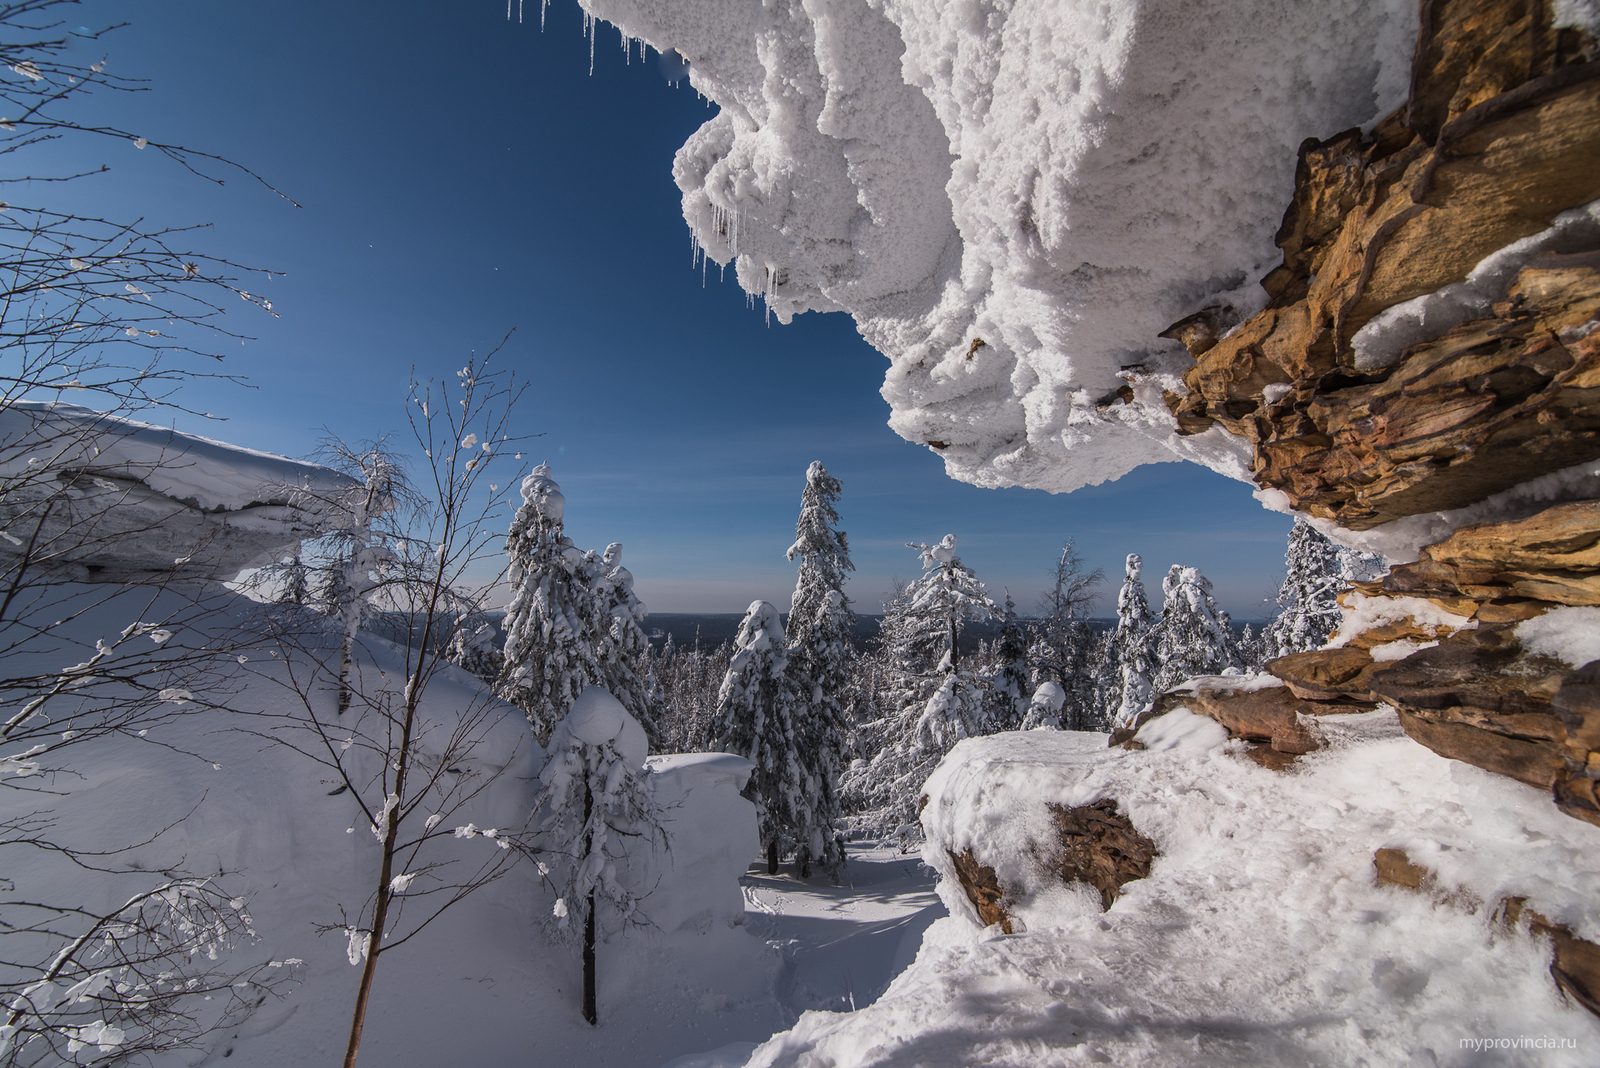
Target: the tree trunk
pixel 772 857
pixel 590 1012
pixel 955 648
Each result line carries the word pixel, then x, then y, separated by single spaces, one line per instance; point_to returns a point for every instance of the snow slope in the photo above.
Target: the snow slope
pixel 1260 936
pixel 1014 199
pixel 486 985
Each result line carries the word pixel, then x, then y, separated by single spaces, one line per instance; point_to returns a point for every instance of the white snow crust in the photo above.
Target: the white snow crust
pixel 1364 613
pixel 1568 634
pixel 1014 199
pixel 1260 937
pixel 158 500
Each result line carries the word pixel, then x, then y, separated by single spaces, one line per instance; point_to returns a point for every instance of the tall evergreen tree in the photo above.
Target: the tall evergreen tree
pixel 592 804
pixel 1128 671
pixel 621 646
pixel 1008 688
pixel 550 656
pixel 935 703
pixel 819 661
pixel 1308 609
pixel 1066 648
pixel 1193 636
pixel 756 711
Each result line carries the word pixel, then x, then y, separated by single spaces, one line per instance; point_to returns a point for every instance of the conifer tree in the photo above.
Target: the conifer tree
pixel 621 646
pixel 550 656
pixel 593 807
pixel 1008 689
pixel 1308 609
pixel 1128 670
pixel 820 651
pixel 1193 635
pixel 756 712
pixel 931 704
pixel 1066 648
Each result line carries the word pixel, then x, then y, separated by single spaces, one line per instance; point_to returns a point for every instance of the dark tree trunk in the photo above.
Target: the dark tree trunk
pixel 772 857
pixel 590 1012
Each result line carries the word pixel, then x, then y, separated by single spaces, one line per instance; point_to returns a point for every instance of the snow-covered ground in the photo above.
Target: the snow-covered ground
pixel 1260 937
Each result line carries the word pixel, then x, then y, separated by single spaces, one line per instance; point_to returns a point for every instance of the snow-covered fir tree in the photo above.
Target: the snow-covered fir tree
pixel 819 663
pixel 1127 669
pixel 1193 636
pixel 756 712
pixel 930 704
pixel 475 644
pixel 550 656
pixel 1308 608
pixel 1044 708
pixel 592 810
pixel 1066 649
pixel 621 646
pixel 1007 684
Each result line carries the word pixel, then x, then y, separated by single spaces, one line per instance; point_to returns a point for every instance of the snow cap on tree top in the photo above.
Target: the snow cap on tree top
pixel 943 552
pixel 762 627
pixel 596 718
pixel 541 491
pixel 1049 696
pixel 816 471
pixel 1135 566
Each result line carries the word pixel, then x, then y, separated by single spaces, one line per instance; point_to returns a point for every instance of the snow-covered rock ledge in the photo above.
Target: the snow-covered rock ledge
pixel 1262 934
pixel 107 498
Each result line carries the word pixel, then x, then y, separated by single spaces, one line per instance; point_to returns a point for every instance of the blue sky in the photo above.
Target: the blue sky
pixel 463 176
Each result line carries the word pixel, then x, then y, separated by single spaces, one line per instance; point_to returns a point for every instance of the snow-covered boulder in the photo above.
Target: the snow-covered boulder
pixel 711 836
pixel 113 498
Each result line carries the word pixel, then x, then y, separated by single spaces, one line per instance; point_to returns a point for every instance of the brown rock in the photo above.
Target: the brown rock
pixel 1484 669
pixel 1577 704
pixel 982 889
pixel 1394 867
pixel 1576 963
pixel 1495 141
pixel 1528 762
pixel 1270 758
pixel 1100 846
pixel 1329 676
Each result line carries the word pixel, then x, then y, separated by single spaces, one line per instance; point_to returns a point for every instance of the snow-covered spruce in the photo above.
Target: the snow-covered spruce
pixel 1308 607
pixel 819 663
pixel 930 702
pixel 756 711
pixel 1192 637
pixel 592 809
pixel 1065 649
pixel 1008 683
pixel 1127 672
pixel 573 619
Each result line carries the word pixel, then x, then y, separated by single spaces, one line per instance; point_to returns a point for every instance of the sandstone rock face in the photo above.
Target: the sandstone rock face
pixel 1099 846
pixel 1497 140
pixel 982 888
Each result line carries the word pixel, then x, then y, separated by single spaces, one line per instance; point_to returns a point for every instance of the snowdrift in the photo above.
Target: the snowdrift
pixel 1261 935
pixel 143 499
pixel 486 984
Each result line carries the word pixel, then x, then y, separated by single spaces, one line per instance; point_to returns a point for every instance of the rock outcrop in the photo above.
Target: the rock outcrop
pixel 1349 413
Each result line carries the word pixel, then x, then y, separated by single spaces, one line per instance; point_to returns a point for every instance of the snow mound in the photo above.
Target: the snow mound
pixel 596 718
pixel 1014 200
pixel 1260 936
pixel 143 498
pixel 711 832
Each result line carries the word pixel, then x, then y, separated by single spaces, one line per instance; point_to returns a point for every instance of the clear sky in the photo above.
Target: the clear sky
pixel 463 176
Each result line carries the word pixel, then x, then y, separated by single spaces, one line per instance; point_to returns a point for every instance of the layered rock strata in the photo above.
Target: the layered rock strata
pixel 1347 411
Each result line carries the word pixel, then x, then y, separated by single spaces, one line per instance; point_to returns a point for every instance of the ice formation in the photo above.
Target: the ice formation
pixel 1014 200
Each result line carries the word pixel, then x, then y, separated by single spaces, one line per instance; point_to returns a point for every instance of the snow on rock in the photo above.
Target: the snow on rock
pixel 143 498
pixel 1260 936
pixel 1363 613
pixel 711 836
pixel 1013 201
pixel 1569 634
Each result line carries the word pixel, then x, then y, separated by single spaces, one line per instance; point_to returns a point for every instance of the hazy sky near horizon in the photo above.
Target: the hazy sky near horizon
pixel 463 176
